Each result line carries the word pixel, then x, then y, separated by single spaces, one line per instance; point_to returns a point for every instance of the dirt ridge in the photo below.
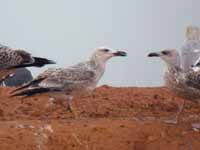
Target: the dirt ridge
pixel 128 118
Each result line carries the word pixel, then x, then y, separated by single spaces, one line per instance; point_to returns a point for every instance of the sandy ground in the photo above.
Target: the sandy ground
pixel 111 118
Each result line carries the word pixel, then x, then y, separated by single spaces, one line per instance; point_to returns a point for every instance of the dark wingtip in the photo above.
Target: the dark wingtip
pixel 40 62
pixel 51 62
pixel 31 92
pixel 15 95
pixel 36 81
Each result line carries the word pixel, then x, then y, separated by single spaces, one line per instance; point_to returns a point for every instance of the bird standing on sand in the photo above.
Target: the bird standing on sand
pixel 73 80
pixel 11 59
pixel 185 84
pixel 182 76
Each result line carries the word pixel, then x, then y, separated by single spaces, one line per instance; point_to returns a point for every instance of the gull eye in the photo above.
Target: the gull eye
pixel 165 52
pixel 106 50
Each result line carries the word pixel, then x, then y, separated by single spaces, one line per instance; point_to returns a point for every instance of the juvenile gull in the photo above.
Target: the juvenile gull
pixel 10 59
pixel 185 84
pixel 70 81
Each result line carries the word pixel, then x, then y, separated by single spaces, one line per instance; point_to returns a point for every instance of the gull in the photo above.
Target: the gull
pixel 70 81
pixel 11 59
pixel 185 84
pixel 20 77
pixel 190 50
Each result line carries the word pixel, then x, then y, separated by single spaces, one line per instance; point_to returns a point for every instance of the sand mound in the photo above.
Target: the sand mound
pixel 111 118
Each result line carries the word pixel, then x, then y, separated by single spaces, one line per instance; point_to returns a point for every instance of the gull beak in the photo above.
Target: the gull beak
pixel 153 54
pixel 120 53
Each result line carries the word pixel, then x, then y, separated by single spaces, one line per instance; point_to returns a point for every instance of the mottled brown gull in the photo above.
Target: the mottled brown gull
pixel 10 59
pixel 70 81
pixel 185 84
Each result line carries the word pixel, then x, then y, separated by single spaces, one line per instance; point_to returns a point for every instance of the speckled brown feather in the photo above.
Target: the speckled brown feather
pixel 184 84
pixel 10 59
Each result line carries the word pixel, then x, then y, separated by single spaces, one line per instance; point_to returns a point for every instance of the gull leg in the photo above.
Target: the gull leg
pixel 70 108
pixel 176 118
pixel 69 100
pixel 180 110
pixel 51 102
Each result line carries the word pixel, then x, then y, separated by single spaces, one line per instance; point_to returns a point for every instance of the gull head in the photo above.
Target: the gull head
pixel 103 54
pixel 170 56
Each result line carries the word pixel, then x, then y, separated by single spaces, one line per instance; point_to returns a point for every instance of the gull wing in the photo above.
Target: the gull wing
pixel 10 58
pixel 61 78
pixel 192 79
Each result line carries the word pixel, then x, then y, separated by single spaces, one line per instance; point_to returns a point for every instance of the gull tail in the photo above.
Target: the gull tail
pixel 38 62
pixel 193 33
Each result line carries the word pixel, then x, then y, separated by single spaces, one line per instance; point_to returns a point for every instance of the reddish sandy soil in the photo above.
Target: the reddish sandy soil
pixel 109 119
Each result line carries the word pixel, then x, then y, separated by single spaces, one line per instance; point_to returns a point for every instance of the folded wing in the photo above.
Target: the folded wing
pixel 66 80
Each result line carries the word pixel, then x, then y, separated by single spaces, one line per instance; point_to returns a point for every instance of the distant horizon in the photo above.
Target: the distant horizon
pixel 69 31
